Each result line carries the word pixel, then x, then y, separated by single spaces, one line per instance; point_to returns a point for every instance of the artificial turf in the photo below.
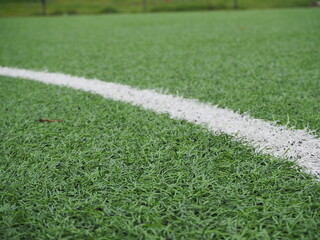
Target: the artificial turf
pixel 265 63
pixel 113 171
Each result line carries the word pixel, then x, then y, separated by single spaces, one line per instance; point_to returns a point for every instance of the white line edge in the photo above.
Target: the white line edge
pixel 279 141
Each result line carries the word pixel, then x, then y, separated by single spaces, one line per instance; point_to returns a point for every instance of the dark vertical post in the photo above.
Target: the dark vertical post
pixel 144 5
pixel 43 4
pixel 235 4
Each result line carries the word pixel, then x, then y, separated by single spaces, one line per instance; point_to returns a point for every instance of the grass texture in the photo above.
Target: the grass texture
pixel 265 63
pixel 113 171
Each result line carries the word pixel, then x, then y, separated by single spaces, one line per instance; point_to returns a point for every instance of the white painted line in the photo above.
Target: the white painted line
pixel 278 141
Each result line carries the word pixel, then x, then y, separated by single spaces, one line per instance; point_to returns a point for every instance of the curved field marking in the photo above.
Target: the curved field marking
pixel 278 141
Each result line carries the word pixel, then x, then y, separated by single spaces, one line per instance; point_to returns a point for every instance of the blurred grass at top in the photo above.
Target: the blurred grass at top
pixel 68 7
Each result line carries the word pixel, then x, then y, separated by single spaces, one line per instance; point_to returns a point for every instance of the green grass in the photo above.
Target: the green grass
pixel 60 7
pixel 265 63
pixel 113 171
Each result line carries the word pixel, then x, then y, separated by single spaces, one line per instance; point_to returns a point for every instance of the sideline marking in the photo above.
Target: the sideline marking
pixel 278 141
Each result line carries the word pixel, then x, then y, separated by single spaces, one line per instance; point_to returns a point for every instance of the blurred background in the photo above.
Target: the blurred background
pixel 71 7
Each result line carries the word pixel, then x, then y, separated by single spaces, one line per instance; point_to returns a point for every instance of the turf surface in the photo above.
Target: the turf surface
pixel 265 63
pixel 113 171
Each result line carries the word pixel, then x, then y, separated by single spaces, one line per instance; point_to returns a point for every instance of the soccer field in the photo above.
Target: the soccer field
pixel 111 170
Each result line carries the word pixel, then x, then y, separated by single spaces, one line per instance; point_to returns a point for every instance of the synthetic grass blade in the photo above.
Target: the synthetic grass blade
pixel 265 136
